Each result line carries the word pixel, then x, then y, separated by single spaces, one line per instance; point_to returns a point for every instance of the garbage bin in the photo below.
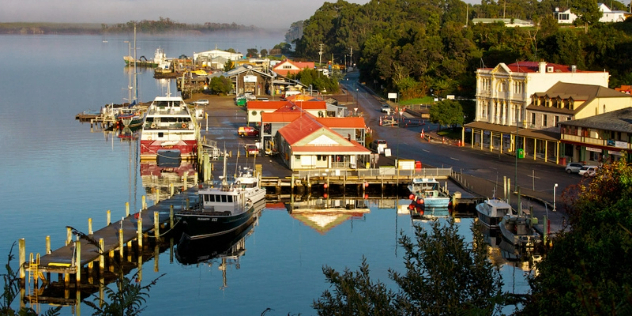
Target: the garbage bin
pixel 520 153
pixel 563 161
pixel 417 165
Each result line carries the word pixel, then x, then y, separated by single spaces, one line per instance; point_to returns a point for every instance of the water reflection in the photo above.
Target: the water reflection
pixel 502 252
pixel 324 214
pixel 161 179
pixel 224 250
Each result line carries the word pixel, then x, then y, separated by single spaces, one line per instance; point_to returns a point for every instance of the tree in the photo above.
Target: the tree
pixel 263 52
pixel 444 276
pixel 447 112
pixel 229 65
pixel 587 12
pixel 588 271
pixel 252 52
pixel 220 85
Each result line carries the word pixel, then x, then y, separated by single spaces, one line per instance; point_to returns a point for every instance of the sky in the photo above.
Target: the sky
pixel 269 14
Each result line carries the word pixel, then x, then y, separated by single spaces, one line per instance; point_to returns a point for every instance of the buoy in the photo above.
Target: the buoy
pixel 325 195
pixel 366 196
pixel 411 197
pixel 411 207
pixel 325 185
pixel 366 184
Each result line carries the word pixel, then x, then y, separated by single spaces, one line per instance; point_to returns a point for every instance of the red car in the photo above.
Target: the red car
pixel 247 131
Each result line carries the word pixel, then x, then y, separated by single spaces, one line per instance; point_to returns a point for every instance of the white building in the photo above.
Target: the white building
pixel 503 92
pixel 215 57
pixel 568 17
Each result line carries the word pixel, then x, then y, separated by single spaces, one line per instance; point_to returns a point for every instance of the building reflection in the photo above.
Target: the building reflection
pixel 322 214
pixel 160 179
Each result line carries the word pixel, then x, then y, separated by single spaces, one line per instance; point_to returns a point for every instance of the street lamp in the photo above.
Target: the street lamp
pixel 554 187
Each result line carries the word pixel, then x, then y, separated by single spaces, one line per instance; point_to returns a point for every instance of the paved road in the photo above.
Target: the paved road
pixel 535 178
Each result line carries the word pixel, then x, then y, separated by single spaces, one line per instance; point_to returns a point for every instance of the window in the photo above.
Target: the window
pixel 557 120
pixel 230 198
pixel 544 120
pixel 532 118
pixel 223 198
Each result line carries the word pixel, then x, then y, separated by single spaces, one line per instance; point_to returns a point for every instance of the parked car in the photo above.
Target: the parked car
pixel 378 145
pixel 386 108
pixel 588 171
pixel 251 150
pixel 201 102
pixel 573 167
pixel 249 131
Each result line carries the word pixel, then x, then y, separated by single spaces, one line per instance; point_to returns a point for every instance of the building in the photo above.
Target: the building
pixel 600 138
pixel 503 94
pixel 215 59
pixel 608 16
pixel 507 22
pixel 288 67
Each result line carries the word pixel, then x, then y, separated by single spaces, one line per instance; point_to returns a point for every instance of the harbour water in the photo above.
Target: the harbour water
pixel 57 173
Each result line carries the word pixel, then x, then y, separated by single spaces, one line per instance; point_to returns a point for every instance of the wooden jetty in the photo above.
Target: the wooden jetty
pixel 101 247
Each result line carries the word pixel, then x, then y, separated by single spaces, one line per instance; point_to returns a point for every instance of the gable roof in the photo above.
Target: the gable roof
pixel 342 122
pixel 534 67
pixel 577 92
pixel 618 121
pixel 296 66
pixel 265 105
pixel 300 128
pixel 279 117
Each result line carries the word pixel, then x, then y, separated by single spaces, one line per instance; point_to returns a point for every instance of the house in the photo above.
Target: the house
pixel 599 138
pixel 568 17
pixel 503 94
pixel 507 22
pixel 247 79
pixel 288 67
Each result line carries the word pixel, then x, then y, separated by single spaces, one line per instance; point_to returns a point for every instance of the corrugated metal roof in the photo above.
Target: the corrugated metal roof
pixel 617 121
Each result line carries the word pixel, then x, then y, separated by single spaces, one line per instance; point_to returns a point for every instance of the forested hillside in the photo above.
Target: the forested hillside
pixel 414 46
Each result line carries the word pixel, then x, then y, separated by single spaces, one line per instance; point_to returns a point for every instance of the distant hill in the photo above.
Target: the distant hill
pixel 161 26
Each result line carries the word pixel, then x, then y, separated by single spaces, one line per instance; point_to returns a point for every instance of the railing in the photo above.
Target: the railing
pixel 376 172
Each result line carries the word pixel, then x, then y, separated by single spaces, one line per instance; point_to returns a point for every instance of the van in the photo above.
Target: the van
pixel 291 92
pixel 378 145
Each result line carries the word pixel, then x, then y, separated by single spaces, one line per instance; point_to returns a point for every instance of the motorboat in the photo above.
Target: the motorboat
pixel 491 211
pixel 223 209
pixel 518 230
pixel 427 193
pixel 168 125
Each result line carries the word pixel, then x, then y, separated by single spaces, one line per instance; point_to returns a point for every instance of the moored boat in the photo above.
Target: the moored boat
pixel 223 209
pixel 427 193
pixel 129 117
pixel 519 231
pixel 491 211
pixel 169 126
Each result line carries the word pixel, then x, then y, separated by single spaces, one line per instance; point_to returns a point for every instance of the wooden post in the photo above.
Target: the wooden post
pixel 22 255
pixel 171 216
pixel 144 202
pixel 89 226
pixel 121 244
pixel 101 256
pixel 157 195
pixel 156 255
pixel 140 266
pixel 108 217
pixel 139 232
pixel 126 209
pixel 184 185
pixel 78 260
pixel 157 225
pixel 68 235
pixel 171 189
pixel 47 244
pixel 195 179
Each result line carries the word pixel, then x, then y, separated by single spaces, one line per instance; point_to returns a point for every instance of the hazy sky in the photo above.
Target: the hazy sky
pixel 277 14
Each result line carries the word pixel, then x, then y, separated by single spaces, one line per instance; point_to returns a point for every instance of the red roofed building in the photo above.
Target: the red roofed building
pixel 288 67
pixel 308 144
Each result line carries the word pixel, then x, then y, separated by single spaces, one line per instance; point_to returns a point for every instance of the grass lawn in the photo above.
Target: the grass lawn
pixel 424 100
pixel 451 133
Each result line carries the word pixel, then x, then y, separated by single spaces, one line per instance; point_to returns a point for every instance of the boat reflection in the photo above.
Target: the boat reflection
pixel 502 252
pixel 425 214
pixel 324 214
pixel 224 250
pixel 161 177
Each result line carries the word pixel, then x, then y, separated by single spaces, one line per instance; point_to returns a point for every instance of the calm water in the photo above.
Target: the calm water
pixel 56 173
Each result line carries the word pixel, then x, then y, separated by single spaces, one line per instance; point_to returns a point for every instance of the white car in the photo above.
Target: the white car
pixel 201 102
pixel 386 108
pixel 588 171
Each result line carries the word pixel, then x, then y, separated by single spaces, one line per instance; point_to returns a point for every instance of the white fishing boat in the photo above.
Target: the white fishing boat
pixel 168 126
pixel 223 209
pixel 491 211
pixel 519 231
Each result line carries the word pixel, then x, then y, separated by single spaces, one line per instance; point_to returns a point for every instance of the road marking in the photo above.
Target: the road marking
pixel 454 158
pixel 426 150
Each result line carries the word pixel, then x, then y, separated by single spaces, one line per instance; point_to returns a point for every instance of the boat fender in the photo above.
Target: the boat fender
pixel 153 125
pixel 184 125
pixel 411 197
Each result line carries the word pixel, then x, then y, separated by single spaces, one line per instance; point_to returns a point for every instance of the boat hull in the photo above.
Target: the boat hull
pixel 149 148
pixel 203 224
pixel 490 222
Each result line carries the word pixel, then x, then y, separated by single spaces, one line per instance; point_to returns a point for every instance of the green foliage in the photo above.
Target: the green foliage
pixel 587 12
pixel 588 271
pixel 318 81
pixel 263 52
pixel 444 276
pixel 166 25
pixel 229 65
pixel 252 52
pixel 220 85
pixel 128 298
pixel 447 112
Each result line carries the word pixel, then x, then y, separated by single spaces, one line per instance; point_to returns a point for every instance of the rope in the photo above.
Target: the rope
pixel 166 232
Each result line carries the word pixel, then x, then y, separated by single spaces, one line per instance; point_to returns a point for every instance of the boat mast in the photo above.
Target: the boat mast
pixel 135 73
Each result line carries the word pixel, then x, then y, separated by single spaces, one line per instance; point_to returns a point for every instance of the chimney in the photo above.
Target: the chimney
pixel 542 66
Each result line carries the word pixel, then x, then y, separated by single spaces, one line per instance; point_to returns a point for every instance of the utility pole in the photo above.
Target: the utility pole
pixel 320 57
pixel 351 56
